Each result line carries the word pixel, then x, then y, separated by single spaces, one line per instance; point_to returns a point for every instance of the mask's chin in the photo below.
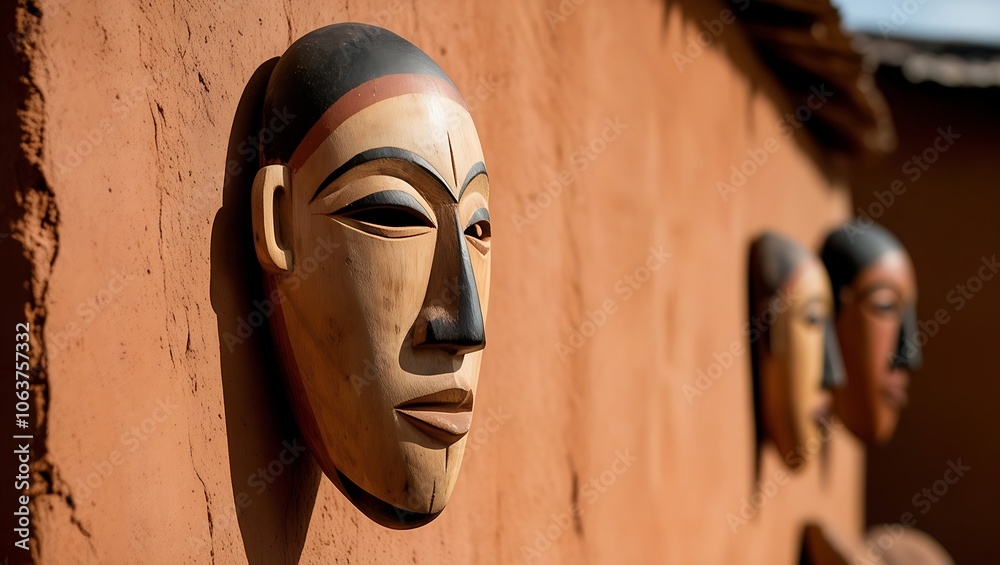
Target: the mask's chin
pixel 382 512
pixel 886 419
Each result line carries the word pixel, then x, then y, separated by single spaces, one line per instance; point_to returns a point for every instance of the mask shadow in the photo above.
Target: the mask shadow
pixel 274 477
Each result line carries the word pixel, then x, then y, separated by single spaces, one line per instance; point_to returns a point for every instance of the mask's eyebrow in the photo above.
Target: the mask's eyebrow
pixel 474 171
pixel 375 154
pixel 875 287
pixel 478 216
pixel 813 300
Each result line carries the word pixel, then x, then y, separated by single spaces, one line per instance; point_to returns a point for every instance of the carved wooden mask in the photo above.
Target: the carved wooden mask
pixel 371 220
pixel 794 354
pixel 875 295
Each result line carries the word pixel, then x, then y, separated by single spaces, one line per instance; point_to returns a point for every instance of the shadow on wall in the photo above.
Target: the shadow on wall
pixel 275 478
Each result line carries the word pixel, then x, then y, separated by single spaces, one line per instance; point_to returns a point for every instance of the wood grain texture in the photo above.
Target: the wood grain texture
pixel 385 284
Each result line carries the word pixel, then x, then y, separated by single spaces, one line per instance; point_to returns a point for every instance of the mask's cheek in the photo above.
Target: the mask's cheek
pixel 805 371
pixel 381 284
pixel 881 335
pixel 349 303
pixel 481 265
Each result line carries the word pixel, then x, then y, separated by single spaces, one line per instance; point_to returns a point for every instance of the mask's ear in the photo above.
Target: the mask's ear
pixel 268 185
pixel 908 352
pixel 834 375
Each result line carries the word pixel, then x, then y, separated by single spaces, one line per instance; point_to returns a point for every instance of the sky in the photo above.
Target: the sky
pixel 971 21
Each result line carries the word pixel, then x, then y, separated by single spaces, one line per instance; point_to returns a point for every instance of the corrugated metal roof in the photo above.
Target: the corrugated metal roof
pixel 948 64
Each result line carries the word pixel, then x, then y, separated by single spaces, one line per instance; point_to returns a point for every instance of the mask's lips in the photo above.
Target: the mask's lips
pixel 893 389
pixel 445 415
pixel 822 409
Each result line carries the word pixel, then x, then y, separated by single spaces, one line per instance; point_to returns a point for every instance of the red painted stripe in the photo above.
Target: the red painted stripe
pixel 371 92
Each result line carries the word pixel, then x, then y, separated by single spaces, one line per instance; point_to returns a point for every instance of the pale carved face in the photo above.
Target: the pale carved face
pixel 793 395
pixel 879 347
pixel 386 227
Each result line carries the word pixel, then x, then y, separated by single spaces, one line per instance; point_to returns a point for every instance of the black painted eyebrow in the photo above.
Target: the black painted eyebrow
pixel 478 216
pixel 875 287
pixel 385 199
pixel 474 171
pixel 805 306
pixel 375 154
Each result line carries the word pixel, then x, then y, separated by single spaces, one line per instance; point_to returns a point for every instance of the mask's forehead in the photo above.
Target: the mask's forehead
pixel 810 281
pixel 894 270
pixel 433 125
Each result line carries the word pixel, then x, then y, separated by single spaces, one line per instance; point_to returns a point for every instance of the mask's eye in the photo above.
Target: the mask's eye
pixel 479 230
pixel 479 225
pixel 387 209
pixel 884 302
pixel 814 314
pixel 389 217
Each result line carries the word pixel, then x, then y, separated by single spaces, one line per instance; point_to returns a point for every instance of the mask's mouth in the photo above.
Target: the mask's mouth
pixel 445 415
pixel 893 389
pixel 821 412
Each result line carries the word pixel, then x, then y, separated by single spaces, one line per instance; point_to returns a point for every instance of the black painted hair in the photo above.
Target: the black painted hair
pixel 850 249
pixel 773 260
pixel 324 65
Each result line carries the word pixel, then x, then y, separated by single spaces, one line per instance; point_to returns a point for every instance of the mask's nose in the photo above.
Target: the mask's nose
pixel 908 351
pixel 834 375
pixel 451 318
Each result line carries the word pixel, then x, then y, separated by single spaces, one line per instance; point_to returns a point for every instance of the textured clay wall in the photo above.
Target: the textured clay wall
pixel 163 444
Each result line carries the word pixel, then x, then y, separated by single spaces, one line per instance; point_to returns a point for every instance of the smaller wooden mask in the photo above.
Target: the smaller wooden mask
pixel 371 222
pixel 875 296
pixel 794 354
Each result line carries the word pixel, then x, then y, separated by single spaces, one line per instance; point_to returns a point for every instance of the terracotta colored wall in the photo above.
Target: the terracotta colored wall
pixel 948 218
pixel 136 110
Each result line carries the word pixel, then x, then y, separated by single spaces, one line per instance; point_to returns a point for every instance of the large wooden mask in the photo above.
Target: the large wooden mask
pixel 875 294
pixel 370 218
pixel 794 352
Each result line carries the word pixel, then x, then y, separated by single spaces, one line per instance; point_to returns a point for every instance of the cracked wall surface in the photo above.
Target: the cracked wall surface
pixel 163 442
